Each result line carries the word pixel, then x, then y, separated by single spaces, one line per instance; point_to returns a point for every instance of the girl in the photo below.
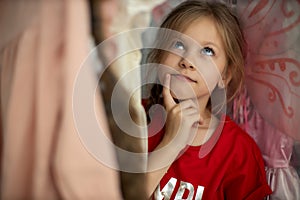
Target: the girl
pixel 200 153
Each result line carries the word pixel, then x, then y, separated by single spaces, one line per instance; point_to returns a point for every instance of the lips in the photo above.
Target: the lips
pixel 183 78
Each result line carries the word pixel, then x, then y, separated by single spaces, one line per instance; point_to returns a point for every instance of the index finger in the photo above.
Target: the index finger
pixel 168 99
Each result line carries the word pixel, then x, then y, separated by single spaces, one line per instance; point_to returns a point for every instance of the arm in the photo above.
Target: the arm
pixel 180 120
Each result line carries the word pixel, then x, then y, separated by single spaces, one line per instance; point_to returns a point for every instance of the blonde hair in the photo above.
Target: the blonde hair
pixel 229 28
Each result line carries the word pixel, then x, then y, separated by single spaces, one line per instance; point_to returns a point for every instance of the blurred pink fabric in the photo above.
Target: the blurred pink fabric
pixel 42 46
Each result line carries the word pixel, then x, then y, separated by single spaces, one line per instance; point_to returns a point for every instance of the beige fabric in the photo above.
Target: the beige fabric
pixel 126 68
pixel 42 156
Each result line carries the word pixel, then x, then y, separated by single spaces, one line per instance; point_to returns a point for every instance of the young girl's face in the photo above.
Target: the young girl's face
pixel 195 60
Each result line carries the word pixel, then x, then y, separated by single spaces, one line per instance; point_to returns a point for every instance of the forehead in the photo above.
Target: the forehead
pixel 204 30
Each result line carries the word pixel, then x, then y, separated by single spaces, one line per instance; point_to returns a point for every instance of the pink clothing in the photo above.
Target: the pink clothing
pixel 277 149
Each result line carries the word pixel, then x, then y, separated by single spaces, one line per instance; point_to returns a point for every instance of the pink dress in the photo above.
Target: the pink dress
pixel 277 149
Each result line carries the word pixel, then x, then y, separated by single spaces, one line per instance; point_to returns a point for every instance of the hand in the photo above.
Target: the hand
pixel 182 118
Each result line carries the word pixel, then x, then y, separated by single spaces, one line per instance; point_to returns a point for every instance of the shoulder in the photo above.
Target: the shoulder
pixel 236 135
pixel 241 148
pixel 238 145
pixel 246 163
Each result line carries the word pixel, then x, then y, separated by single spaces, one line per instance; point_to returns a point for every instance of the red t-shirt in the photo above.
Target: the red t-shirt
pixel 233 169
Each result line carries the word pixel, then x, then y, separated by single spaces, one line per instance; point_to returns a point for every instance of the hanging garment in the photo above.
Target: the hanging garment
pixel 42 46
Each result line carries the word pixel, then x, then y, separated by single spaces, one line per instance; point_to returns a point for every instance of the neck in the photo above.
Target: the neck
pixel 202 106
pixel 207 126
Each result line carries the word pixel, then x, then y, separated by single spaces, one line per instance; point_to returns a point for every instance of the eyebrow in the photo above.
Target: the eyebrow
pixel 210 44
pixel 203 43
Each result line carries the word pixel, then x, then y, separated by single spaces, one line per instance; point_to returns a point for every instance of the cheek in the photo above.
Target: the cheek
pixel 213 74
pixel 166 67
pixel 161 73
pixel 209 77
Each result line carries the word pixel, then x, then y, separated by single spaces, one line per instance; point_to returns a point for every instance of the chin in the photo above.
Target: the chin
pixel 182 90
pixel 182 96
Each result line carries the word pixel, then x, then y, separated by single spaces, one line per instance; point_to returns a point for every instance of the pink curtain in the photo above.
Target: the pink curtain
pixel 271 105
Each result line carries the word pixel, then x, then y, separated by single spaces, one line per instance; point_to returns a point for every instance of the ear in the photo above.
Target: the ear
pixel 226 78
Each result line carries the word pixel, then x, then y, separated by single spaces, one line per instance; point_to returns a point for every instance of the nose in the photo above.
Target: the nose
pixel 186 64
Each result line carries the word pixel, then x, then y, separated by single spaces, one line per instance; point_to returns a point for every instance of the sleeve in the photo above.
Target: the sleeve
pixel 247 178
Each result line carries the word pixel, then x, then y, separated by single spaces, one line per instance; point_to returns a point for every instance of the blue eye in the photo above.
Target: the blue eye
pixel 178 45
pixel 207 51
